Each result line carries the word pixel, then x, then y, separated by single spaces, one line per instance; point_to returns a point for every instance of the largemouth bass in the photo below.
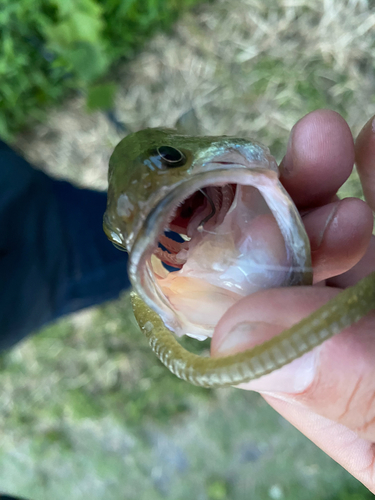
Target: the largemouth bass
pixel 206 222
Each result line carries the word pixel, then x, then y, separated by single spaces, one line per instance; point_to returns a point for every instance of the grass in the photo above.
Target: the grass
pixel 70 46
pixel 86 409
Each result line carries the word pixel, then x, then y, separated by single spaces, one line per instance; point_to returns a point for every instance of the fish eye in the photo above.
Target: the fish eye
pixel 171 157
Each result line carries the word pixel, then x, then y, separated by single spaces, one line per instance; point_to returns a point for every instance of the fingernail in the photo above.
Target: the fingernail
pixel 286 165
pixel 292 378
pixel 247 334
pixel 315 244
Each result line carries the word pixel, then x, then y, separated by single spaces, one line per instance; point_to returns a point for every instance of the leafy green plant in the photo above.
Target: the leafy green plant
pixel 51 47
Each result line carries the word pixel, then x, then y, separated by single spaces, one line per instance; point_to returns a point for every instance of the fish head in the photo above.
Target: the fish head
pixel 205 221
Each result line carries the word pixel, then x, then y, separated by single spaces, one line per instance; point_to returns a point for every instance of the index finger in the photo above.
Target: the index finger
pixel 319 158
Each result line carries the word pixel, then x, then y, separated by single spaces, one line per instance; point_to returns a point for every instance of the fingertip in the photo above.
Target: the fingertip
pixel 319 158
pixel 339 234
pixel 363 268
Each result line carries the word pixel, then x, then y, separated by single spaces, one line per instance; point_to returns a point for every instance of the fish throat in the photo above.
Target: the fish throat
pixel 209 204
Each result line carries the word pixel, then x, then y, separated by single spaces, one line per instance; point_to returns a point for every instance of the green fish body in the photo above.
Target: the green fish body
pixel 206 221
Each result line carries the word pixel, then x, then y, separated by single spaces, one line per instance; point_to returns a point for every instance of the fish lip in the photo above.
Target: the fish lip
pixel 146 239
pixel 236 151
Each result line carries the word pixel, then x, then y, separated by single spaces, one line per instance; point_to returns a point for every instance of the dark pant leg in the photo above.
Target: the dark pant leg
pixel 54 256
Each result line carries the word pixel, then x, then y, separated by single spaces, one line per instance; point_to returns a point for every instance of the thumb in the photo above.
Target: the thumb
pixel 335 380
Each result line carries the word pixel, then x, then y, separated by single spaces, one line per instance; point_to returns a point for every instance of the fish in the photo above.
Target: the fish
pixel 206 221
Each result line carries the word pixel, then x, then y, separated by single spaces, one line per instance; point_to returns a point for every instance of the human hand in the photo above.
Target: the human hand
pixel 329 393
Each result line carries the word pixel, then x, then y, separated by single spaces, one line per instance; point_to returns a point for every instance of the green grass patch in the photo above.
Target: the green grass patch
pixel 53 47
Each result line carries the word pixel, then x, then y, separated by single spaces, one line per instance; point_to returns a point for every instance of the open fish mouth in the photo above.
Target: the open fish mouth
pixel 213 239
pixel 204 210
